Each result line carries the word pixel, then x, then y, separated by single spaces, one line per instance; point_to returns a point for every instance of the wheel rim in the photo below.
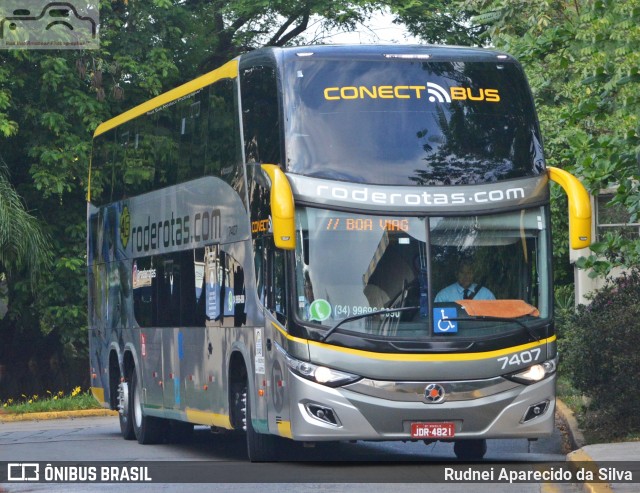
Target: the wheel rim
pixel 137 407
pixel 123 399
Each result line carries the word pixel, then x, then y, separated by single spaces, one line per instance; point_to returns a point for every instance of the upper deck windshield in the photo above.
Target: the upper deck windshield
pixel 348 264
pixel 408 122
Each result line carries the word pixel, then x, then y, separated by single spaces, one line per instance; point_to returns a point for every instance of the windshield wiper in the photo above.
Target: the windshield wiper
pixel 488 318
pixel 366 315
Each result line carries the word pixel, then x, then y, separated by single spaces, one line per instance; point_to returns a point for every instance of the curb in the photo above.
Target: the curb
pixel 577 442
pixel 566 415
pixel 84 413
pixel 589 487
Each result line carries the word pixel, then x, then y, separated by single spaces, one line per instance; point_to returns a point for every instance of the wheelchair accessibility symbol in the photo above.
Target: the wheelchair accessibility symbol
pixel 441 320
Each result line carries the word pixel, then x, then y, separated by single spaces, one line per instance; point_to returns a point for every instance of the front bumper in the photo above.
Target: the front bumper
pixel 359 415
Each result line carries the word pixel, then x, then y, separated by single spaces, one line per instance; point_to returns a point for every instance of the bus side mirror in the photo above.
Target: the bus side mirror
pixel 282 208
pixel 579 207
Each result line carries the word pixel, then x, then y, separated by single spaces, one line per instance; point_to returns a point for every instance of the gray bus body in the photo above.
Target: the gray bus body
pixel 402 163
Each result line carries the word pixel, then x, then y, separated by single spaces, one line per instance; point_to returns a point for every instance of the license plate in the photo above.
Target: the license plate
pixel 432 430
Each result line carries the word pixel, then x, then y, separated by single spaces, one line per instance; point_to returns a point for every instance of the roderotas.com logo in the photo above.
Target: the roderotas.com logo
pixel 43 25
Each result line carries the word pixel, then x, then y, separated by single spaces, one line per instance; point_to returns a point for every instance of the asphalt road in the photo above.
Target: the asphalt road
pixel 353 467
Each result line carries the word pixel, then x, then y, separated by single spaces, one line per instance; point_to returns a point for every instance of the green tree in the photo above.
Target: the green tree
pixel 582 58
pixel 24 248
pixel 52 101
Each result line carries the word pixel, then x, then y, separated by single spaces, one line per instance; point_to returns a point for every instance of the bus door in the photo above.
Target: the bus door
pixel 149 339
pixel 271 373
pixel 172 347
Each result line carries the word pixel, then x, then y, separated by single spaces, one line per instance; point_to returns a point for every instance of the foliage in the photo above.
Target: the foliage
pixel 602 357
pixel 438 21
pixel 23 245
pixel 74 401
pixel 582 60
pixel 52 101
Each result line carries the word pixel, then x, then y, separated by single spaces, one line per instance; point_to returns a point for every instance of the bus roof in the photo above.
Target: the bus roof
pixel 230 69
pixel 420 52
pixel 227 71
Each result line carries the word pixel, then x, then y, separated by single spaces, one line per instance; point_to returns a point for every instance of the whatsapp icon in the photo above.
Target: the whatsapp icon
pixel 319 310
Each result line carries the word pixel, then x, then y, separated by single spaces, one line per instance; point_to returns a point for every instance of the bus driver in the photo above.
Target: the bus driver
pixel 464 288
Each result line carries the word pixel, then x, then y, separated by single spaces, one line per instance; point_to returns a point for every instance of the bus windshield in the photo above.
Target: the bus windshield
pixel 409 122
pixel 354 264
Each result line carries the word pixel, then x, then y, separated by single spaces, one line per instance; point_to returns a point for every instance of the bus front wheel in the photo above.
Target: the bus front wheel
pixel 260 447
pixel 470 449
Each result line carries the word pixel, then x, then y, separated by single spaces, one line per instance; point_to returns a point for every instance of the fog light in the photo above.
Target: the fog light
pixel 323 413
pixel 535 411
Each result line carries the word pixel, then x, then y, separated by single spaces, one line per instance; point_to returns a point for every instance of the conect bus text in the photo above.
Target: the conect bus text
pixel 176 231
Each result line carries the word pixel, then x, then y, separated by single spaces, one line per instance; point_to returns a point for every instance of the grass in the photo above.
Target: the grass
pixel 569 395
pixel 75 400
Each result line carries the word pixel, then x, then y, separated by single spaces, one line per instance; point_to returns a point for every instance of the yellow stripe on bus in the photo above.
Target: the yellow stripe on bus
pixel 418 357
pixel 98 394
pixel 228 71
pixel 207 418
pixel 284 429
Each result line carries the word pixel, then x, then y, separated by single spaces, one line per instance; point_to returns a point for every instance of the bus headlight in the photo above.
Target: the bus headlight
pixel 536 372
pixel 320 374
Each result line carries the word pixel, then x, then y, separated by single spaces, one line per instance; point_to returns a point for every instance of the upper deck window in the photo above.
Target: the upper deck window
pixel 410 122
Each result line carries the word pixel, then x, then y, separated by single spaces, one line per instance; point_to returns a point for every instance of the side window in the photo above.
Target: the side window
pixel 270 276
pixel 102 158
pixel 168 290
pixel 276 282
pixel 191 136
pixel 144 274
pixel 213 283
pixel 259 264
pixel 134 169
pixel 233 291
pixel 260 115
pixel 200 286
pixel 165 147
pixel 223 131
pixel 119 156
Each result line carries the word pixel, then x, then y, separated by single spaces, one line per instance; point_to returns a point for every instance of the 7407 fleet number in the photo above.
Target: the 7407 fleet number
pixel 521 358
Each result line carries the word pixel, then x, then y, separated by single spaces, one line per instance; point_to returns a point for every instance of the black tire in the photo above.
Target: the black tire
pixel 147 428
pixel 470 449
pixel 178 431
pixel 260 447
pixel 124 411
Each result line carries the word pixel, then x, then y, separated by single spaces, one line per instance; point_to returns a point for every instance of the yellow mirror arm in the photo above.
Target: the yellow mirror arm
pixel 282 208
pixel 579 207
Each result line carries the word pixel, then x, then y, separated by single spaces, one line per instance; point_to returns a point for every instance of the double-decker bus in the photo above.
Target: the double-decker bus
pixel 269 244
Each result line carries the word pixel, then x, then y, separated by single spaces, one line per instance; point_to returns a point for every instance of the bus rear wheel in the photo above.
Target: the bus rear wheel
pixel 147 428
pixel 470 449
pixel 124 411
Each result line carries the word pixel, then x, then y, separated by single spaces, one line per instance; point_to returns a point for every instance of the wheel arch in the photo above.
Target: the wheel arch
pixel 238 375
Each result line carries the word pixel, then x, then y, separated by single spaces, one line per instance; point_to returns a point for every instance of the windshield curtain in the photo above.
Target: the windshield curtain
pixel 349 265
pixel 410 122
